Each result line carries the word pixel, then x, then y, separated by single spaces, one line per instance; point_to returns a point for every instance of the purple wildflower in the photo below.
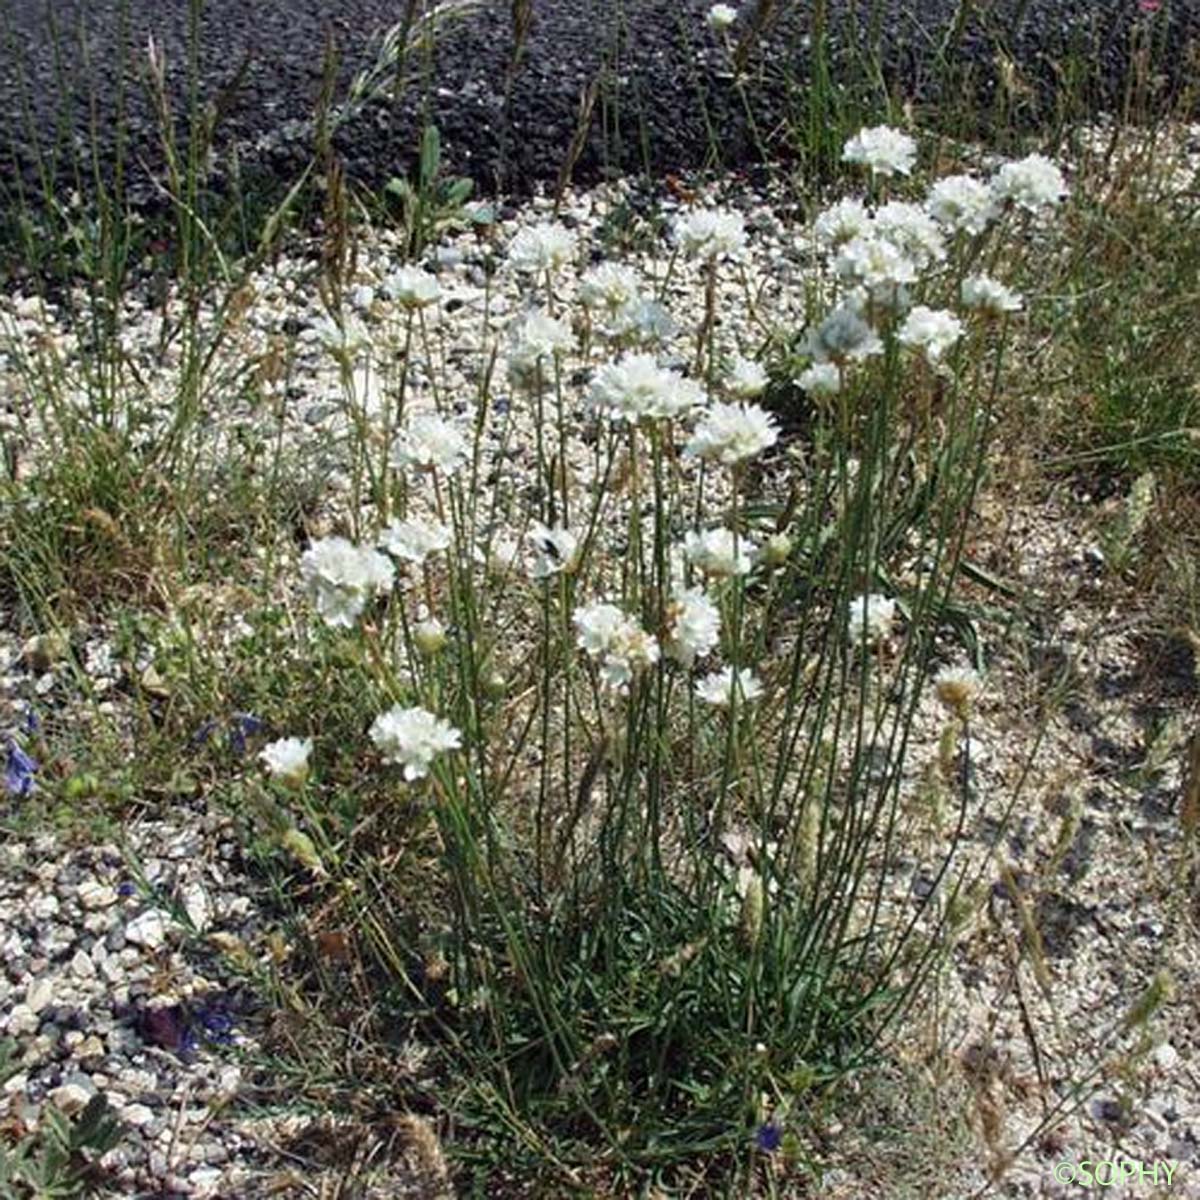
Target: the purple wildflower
pixel 769 1137
pixel 19 770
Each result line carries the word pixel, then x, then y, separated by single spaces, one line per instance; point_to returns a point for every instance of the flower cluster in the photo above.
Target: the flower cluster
pixel 412 738
pixel 540 248
pixel 429 442
pixel 621 646
pixel 341 577
pixel 731 433
pixel 637 388
pixel 693 626
pixel 415 541
pixel 710 233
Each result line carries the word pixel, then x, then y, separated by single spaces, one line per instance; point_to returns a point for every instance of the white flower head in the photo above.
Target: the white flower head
pixel 912 231
pixel 642 322
pixel 1031 183
pixel 343 339
pixel 537 339
pixel 710 233
pixel 555 550
pixel 883 150
pixel 287 760
pixel 871 618
pixel 721 17
pixel 429 442
pixel 731 433
pixel 874 262
pixel 412 287
pixel 962 203
pixel 341 577
pixel 717 553
pixel 637 387
pixel 693 626
pixel 821 379
pixel 616 640
pixel 987 295
pixel 717 688
pixel 932 330
pixel 541 248
pixel 608 288
pixel 843 335
pixel 412 738
pixel 746 378
pixel 844 221
pixel 415 541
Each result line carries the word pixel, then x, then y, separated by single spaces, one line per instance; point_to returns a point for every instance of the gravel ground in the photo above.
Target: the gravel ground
pixel 669 81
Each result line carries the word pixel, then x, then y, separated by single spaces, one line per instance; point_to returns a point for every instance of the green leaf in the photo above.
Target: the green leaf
pixel 431 155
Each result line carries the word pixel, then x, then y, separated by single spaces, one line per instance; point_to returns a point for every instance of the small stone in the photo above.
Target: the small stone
pixel 39 995
pixel 148 930
pixel 205 1181
pixel 137 1115
pixel 82 965
pixel 1165 1055
pixel 90 1047
pixel 93 895
pixel 71 1097
pixel 21 1020
pixel 197 906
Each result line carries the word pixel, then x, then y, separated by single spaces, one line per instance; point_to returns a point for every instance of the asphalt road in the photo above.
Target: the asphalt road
pixel 664 99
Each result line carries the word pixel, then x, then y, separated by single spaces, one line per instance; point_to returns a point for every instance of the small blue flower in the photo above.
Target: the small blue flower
pixel 31 725
pixel 125 888
pixel 769 1137
pixel 242 726
pixel 19 770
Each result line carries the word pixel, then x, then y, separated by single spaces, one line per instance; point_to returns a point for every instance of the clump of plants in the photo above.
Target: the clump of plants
pixel 606 768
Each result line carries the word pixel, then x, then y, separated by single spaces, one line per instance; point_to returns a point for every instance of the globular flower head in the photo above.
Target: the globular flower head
pixel 731 433
pixel 882 150
pixel 609 288
pixel 415 541
pixel 912 231
pixel 621 646
pixel 986 295
pixel 710 233
pixel 636 387
pixel 957 688
pixel 412 288
pixel 537 339
pixel 932 330
pixel 821 379
pixel 718 553
pixel 746 379
pixel 874 262
pixel 717 688
pixel 721 17
pixel 286 760
pixel 871 618
pixel 341 577
pixel 693 626
pixel 841 223
pixel 413 738
pixel 343 338
pixel 541 248
pixel 1032 183
pixel 428 442
pixel 962 204
pixel 555 550
pixel 642 322
pixel 843 336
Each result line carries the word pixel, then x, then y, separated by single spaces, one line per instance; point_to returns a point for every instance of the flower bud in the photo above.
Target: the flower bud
pixel 429 637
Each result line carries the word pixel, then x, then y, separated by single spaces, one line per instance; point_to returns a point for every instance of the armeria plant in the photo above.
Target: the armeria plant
pixel 638 729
